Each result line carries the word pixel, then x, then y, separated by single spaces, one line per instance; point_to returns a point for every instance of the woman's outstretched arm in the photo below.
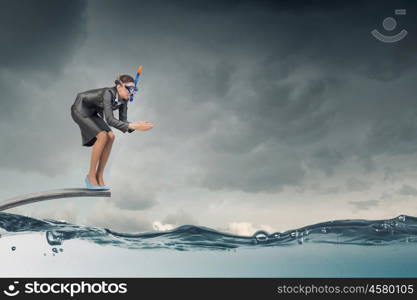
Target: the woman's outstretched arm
pixel 123 115
pixel 108 114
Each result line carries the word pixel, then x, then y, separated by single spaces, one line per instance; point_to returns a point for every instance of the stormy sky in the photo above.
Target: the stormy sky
pixel 268 114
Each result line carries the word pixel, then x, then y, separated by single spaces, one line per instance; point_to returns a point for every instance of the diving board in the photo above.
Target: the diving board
pixel 52 194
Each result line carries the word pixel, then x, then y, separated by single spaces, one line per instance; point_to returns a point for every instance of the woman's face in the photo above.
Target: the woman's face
pixel 123 91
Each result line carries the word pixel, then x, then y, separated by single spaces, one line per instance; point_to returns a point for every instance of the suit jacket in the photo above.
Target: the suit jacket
pixel 102 102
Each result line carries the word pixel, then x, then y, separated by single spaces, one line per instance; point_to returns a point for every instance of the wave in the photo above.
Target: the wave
pixel 399 230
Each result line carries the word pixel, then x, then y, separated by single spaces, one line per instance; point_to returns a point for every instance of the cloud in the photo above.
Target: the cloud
pixel 127 195
pixel 316 187
pixel 174 220
pixel 407 190
pixel 106 215
pixel 356 185
pixel 262 169
pixel 158 226
pixel 364 205
pixel 248 106
pixel 40 40
pixel 331 190
pixel 179 218
pixel 136 175
pixel 245 228
pixel 41 36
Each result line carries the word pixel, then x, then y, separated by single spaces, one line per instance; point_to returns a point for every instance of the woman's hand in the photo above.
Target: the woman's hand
pixel 141 125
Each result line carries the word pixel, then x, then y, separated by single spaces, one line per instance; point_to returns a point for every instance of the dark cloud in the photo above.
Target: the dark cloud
pixel 408 190
pixel 316 187
pixel 261 90
pixel 264 169
pixel 331 190
pixel 395 132
pixel 39 39
pixel 356 185
pixel 40 36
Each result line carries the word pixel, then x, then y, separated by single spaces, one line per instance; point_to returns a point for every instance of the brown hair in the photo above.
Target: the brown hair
pixel 123 79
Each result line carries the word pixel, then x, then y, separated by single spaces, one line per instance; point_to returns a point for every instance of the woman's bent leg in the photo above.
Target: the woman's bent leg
pixel 96 153
pixel 104 157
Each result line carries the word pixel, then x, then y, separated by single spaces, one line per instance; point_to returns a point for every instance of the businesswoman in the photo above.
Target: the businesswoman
pixel 93 112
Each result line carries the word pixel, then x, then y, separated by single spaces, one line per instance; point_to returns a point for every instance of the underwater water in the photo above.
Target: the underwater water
pixel 344 248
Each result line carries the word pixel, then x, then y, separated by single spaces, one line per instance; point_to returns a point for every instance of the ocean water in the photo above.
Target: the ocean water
pixel 343 248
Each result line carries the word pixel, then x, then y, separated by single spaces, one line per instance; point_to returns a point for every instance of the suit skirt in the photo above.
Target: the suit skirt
pixel 89 126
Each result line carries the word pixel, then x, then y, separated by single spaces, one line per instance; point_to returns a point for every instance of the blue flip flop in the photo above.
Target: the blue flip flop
pixel 90 186
pixel 103 187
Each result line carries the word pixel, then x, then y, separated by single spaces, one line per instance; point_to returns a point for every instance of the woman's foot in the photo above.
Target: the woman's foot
pixel 100 180
pixel 90 186
pixel 93 180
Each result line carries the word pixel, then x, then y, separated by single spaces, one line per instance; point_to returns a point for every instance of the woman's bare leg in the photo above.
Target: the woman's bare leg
pixel 96 153
pixel 104 157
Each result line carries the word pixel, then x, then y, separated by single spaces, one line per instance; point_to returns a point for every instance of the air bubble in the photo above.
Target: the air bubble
pixel 54 238
pixel 393 223
pixel 261 236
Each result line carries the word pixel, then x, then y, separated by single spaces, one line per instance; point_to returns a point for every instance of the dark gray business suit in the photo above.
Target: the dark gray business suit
pixel 90 107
